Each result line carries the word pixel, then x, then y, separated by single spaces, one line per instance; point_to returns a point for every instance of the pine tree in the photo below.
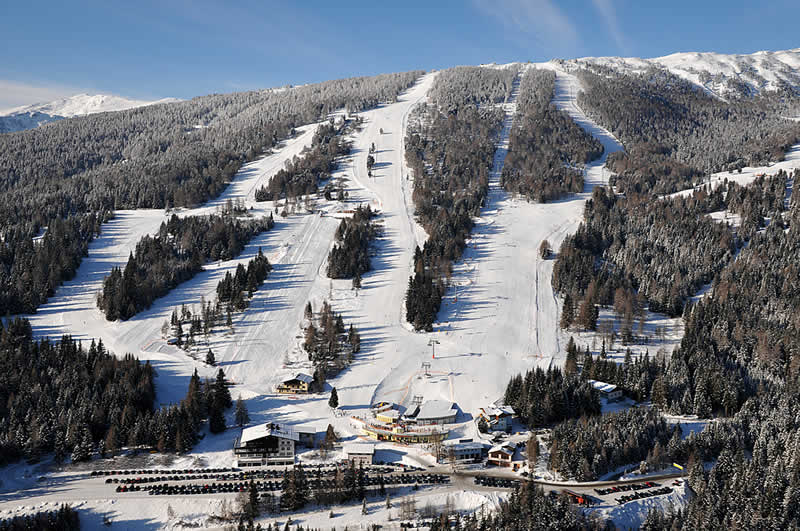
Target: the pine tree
pixel 333 402
pixel 221 390
pixel 216 417
pixel 210 359
pixel 253 511
pixel 571 363
pixel 242 416
pixel 568 313
pixel 83 449
pixel 330 437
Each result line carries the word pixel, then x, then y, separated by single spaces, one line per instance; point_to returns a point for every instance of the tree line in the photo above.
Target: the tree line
pixel 73 401
pixel 664 250
pixel 586 449
pixel 175 254
pixel 329 344
pixel 65 518
pixel 674 133
pixel 450 152
pixel 542 398
pixel 302 175
pixel 464 86
pixel 349 256
pixel 547 149
pixel 159 156
pixel 32 268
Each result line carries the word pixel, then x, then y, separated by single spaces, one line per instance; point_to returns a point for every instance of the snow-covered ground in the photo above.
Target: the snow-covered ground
pixel 632 514
pixel 73 310
pixel 748 174
pixel 714 72
pixel 82 104
pixel 500 320
pixel 30 116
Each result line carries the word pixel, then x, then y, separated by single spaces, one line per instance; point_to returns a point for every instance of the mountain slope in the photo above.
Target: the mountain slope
pixel 720 74
pixel 30 116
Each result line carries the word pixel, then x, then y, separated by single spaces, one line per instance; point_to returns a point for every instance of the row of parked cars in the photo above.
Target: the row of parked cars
pixel 264 486
pixel 645 494
pixel 489 481
pixel 627 487
pixel 144 471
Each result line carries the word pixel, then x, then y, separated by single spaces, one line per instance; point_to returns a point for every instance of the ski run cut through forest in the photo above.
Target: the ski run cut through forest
pixel 557 295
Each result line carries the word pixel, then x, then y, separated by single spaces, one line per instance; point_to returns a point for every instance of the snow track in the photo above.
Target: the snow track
pixel 73 310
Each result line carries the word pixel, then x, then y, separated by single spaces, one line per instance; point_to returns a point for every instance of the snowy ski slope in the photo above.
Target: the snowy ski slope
pixel 500 319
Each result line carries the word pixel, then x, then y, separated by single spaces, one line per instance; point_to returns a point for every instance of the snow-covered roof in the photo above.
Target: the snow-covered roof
pixel 504 448
pixel 305 429
pixel 359 449
pixel 264 430
pixel 603 387
pixel 463 447
pixel 436 409
pixel 501 411
pixel 302 377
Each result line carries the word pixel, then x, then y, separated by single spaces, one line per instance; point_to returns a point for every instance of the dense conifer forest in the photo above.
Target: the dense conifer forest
pixel 349 256
pixel 462 86
pixel 672 130
pixel 70 175
pixel 172 256
pixel 547 149
pixel 60 397
pixel 527 509
pixel 587 448
pixel 65 518
pixel 330 345
pixel 302 175
pixel 542 398
pixel 450 152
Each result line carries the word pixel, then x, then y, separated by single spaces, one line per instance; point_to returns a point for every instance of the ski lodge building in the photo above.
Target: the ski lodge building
pixel 359 454
pixel 265 444
pixel 419 424
pixel 436 413
pixel 497 417
pixel 464 452
pixel 501 455
pixel 607 390
pixel 299 384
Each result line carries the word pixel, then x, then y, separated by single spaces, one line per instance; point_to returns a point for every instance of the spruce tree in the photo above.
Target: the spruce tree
pixel 571 363
pixel 333 402
pixel 210 359
pixel 216 417
pixel 221 390
pixel 568 313
pixel 83 449
pixel 253 511
pixel 242 416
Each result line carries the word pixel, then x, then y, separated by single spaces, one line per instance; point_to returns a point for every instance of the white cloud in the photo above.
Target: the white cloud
pixel 609 14
pixel 541 19
pixel 15 94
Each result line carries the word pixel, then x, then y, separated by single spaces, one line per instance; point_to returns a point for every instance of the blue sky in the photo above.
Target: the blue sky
pixel 184 48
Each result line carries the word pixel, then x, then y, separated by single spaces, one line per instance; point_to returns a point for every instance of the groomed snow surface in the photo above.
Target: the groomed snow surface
pixel 499 318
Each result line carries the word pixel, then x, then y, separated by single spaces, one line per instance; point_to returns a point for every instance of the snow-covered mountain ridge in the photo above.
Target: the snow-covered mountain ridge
pixel 30 116
pixel 719 74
